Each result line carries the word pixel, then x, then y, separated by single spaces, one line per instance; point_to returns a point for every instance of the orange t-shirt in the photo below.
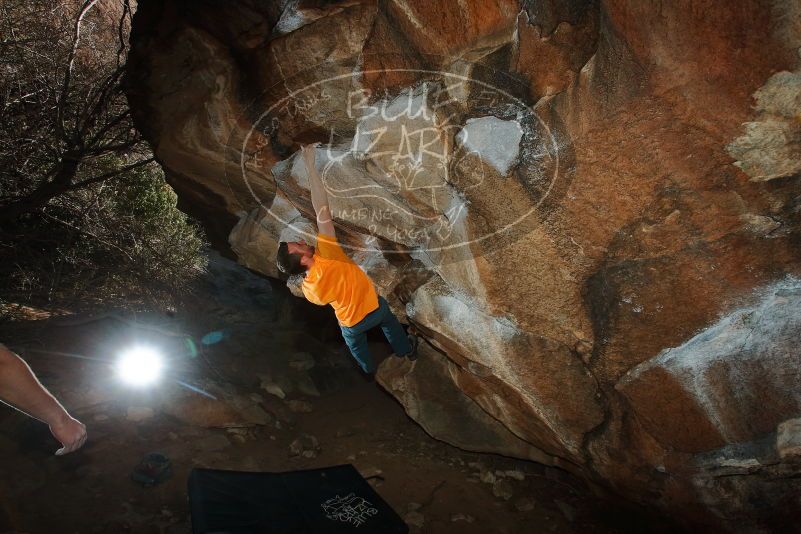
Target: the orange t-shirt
pixel 334 279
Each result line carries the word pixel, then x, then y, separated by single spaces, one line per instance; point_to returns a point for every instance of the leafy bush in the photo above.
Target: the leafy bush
pixel 109 243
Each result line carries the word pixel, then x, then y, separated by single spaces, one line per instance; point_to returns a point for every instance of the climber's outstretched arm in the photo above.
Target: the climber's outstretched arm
pixel 319 196
pixel 20 388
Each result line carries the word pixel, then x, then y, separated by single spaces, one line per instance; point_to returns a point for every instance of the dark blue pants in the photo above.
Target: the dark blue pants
pixel 356 335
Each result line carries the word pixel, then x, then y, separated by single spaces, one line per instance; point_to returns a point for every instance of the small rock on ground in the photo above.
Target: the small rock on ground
pixel 306 385
pixel 273 389
pixel 255 414
pixel 488 477
pixel 304 445
pixel 788 438
pixel 516 474
pixel 369 471
pixel 414 519
pixel 503 489
pixel 524 504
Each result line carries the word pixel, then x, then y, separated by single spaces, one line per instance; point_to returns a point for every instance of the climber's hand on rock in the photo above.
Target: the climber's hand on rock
pixel 308 153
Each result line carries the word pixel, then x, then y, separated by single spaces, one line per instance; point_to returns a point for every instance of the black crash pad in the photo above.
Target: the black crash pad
pixel 328 500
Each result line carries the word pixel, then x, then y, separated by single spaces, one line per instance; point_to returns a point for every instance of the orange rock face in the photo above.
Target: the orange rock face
pixel 590 210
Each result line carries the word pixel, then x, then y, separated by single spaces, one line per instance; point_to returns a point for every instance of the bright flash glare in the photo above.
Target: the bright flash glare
pixel 139 366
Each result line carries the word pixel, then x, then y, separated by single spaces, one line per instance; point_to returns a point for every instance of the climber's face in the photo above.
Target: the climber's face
pixel 300 247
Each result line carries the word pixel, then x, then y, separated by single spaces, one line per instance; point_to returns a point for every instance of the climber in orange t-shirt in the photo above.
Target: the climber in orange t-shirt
pixel 331 277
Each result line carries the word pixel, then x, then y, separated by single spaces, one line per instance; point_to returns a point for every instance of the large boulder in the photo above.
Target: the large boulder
pixel 589 210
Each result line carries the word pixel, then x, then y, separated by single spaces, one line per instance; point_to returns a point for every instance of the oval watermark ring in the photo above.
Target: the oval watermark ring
pixel 382 175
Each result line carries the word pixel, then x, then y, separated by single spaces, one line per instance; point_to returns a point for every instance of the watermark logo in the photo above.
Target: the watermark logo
pixel 349 509
pixel 447 164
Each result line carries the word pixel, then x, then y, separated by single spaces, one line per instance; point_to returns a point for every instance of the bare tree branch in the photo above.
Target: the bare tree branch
pixel 110 174
pixel 46 191
pixel 101 98
pixel 108 126
pixel 126 13
pixel 76 36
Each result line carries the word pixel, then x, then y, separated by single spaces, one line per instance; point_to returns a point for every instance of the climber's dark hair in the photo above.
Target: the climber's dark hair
pixel 287 263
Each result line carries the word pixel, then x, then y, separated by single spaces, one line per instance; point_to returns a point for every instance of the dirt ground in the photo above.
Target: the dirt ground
pixel 339 419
